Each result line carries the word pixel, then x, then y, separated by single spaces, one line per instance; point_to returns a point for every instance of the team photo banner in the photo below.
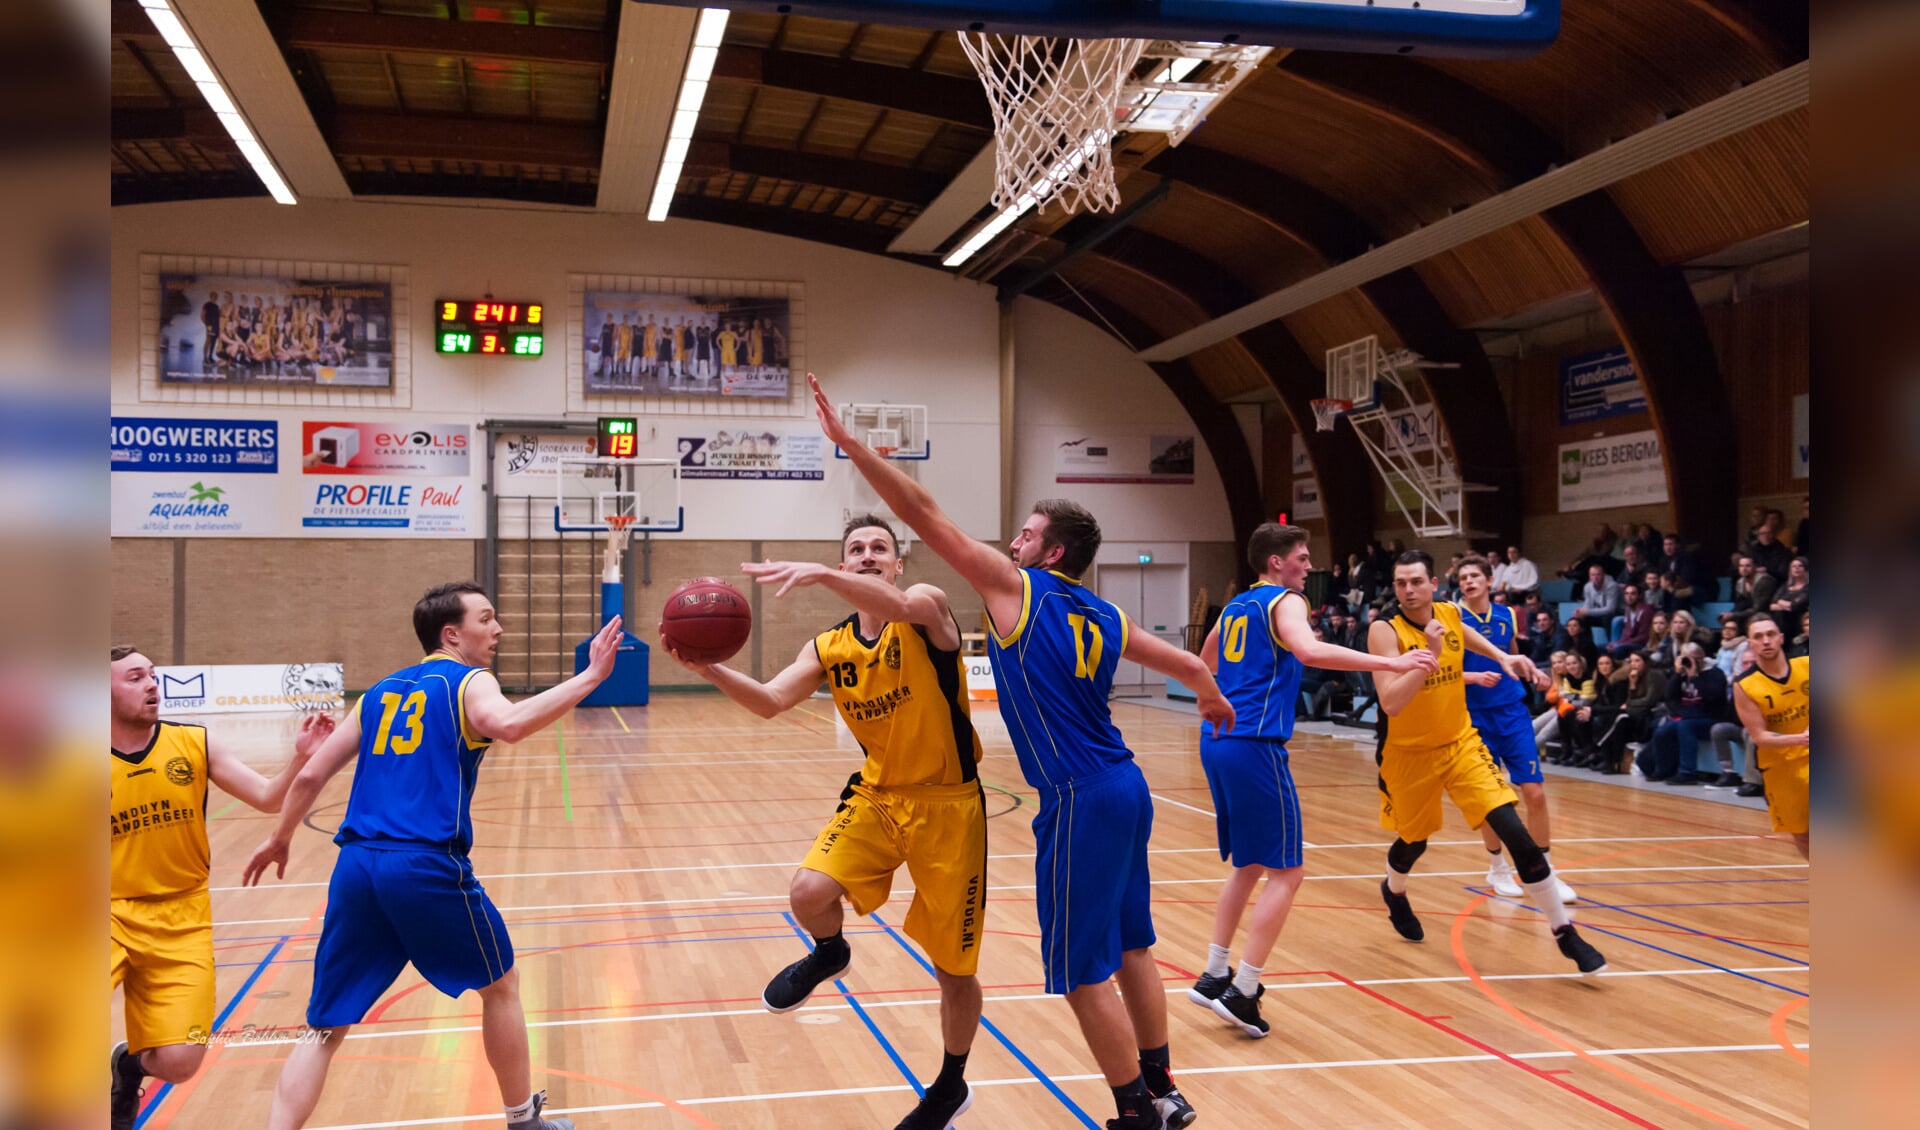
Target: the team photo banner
pixel 229 447
pixel 1622 470
pixel 243 330
pixel 686 345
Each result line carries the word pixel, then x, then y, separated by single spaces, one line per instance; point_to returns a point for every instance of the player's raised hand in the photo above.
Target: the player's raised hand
pixel 600 653
pixel 1522 668
pixel 313 731
pixel 699 669
pixel 1215 708
pixel 1481 678
pixel 786 574
pixel 831 425
pixel 271 851
pixel 1422 660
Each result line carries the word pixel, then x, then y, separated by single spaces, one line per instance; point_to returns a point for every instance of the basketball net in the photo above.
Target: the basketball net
pixel 619 530
pixel 1327 412
pixel 1055 104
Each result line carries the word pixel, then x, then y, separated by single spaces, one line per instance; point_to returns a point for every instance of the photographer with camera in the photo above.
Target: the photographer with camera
pixel 1696 699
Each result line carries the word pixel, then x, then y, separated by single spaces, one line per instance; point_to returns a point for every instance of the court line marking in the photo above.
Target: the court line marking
pixel 840 985
pixel 1015 998
pixel 566 792
pixel 1016 1081
pixel 617 718
pixel 1208 812
pixel 152 1105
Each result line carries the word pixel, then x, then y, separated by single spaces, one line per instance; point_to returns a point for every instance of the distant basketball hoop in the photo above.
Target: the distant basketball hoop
pixel 1327 412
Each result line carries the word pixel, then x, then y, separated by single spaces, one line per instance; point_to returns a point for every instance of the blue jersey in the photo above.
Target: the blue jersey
pixel 1499 627
pixel 1053 670
pixel 418 760
pixel 1259 676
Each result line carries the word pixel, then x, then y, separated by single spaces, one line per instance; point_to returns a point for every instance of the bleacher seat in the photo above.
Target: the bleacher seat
pixel 1602 634
pixel 1726 588
pixel 1556 590
pixel 1569 608
pixel 1709 614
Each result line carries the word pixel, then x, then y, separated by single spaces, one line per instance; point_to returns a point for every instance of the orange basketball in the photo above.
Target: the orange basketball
pixel 706 620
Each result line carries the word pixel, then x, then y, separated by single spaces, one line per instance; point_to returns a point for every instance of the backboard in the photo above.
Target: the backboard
pixel 897 431
pixel 1351 370
pixel 591 490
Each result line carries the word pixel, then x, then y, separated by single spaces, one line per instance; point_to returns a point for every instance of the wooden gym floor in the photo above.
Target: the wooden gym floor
pixel 641 858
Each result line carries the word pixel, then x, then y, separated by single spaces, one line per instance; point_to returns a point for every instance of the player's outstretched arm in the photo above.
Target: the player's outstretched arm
pixel 991 573
pixel 925 605
pixel 241 781
pixel 782 693
pixel 1395 688
pixel 1290 622
pixel 1156 654
pixel 1210 650
pixel 490 713
pixel 334 752
pixel 1756 722
pixel 1513 663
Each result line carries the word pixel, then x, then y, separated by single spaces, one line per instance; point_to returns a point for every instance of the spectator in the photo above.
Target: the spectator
pixel 1696 699
pixel 1660 642
pixel 1793 598
pixel 1685 630
pixel 1675 594
pixel 1580 641
pixel 1449 586
pixel 1338 585
pixel 1366 581
pixel 1732 656
pixel 1752 591
pixel 1684 567
pixel 1803 537
pixel 1633 626
pixel 1519 576
pixel 1593 719
pixel 1579 690
pixel 1769 554
pixel 1600 599
pixel 1599 551
pixel 1646 540
pixel 1323 690
pixel 1628 731
pixel 1546 721
pixel 1545 639
pixel 1756 518
pixel 1633 563
pixel 1532 606
pixel 1659 593
pixel 1802 644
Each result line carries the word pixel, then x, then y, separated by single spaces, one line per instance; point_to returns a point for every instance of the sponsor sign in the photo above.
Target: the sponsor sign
pixel 229 447
pixel 251 688
pixel 1622 470
pixel 1302 462
pixel 1595 386
pixel 980 684
pixel 538 456
pixel 753 453
pixel 388 507
pixel 1306 500
pixel 1417 426
pixel 1802 436
pixel 1124 459
pixel 345 447
pixel 174 504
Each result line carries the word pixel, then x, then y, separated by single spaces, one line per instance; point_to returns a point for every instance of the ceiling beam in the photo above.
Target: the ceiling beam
pixel 941 97
pixel 322 28
pixel 818 227
pixel 1302 213
pixel 472 186
pixel 650 55
pixel 869 178
pixel 1775 29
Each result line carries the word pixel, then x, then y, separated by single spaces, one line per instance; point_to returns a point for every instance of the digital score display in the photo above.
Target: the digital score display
pixel 619 437
pixel 489 328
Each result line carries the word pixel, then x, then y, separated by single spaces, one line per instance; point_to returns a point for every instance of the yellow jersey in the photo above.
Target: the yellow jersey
pixel 1787 705
pixel 158 817
pixel 905 701
pixel 1437 714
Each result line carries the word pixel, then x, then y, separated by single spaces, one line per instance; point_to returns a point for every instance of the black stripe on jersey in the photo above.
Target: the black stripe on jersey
pixel 946 668
pixel 154 740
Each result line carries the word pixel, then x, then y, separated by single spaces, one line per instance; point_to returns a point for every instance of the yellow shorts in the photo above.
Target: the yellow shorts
pixel 940 833
pixel 163 950
pixel 1412 781
pixel 1786 785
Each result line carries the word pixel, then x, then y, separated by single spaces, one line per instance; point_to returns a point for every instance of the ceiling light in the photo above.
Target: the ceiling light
pixel 700 63
pixel 713 25
pixel 686 115
pixel 188 53
pixel 216 96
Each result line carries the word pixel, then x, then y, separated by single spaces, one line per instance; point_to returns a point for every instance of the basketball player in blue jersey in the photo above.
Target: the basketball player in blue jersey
pixel 1497 703
pixel 402 889
pixel 1055 647
pixel 1257 650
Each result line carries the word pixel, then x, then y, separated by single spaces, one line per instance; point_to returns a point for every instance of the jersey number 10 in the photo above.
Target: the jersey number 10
pixel 1233 644
pixel 408 714
pixel 1086 645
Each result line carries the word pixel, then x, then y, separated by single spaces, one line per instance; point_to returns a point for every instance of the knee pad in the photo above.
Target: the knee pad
pixel 1529 862
pixel 1402 855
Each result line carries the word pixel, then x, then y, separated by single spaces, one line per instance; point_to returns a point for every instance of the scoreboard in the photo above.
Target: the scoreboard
pixel 618 437
pixel 489 328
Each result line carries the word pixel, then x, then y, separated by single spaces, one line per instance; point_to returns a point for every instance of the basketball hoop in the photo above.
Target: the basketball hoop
pixel 885 451
pixel 619 530
pixel 1055 105
pixel 1327 411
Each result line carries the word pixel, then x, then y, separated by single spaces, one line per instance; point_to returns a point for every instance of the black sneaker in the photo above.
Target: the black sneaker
pixel 1725 781
pixel 1175 1109
pixel 535 1122
pixel 791 987
pixel 938 1114
pixel 1208 989
pixel 1575 948
pixel 1243 1011
pixel 1400 913
pixel 1148 1119
pixel 1679 782
pixel 1750 789
pixel 124 1095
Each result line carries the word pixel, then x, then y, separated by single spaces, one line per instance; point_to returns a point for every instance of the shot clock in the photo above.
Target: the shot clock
pixel 484 326
pixel 618 437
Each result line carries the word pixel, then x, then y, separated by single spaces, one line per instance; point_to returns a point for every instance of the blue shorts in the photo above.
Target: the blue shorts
pixel 388 907
pixel 1255 807
pixel 1508 732
pixel 1093 894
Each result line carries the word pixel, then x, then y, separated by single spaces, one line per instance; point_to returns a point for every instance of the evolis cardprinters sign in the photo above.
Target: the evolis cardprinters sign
pixel 396 447
pixel 230 447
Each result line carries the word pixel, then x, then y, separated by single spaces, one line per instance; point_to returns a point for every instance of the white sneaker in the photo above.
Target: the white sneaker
pixel 1501 878
pixel 1565 892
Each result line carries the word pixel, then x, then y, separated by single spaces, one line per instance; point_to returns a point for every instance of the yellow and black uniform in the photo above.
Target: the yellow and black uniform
pixel 1432 747
pixel 161 922
pixel 1787 704
pixel 917 800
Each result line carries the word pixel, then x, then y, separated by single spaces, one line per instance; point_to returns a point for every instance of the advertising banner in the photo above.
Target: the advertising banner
pixel 1802 436
pixel 251 688
pixel 1302 462
pixel 1124 459
pixel 227 447
pixel 1595 386
pixel 1306 500
pixel 209 504
pixel 347 447
pixel 1622 470
pixel 751 453
pixel 238 329
pixel 533 457
pixel 685 345
pixel 388 508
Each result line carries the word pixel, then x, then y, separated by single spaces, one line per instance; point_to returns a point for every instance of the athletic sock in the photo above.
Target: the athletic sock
pixel 831 944
pixel 1133 1099
pixel 1396 881
pixel 1155 1069
pixel 130 1068
pixel 520 1113
pixel 1248 980
pixel 1217 962
pixel 1546 900
pixel 1493 853
pixel 952 1077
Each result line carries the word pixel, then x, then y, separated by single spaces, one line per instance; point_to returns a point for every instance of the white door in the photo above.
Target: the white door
pixel 1154 597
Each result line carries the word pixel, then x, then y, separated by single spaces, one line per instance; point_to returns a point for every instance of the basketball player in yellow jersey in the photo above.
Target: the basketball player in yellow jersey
pixel 160 925
pixel 1431 748
pixel 898 681
pixel 1774 701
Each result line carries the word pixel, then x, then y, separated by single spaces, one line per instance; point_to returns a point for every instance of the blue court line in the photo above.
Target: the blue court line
pixel 1013 1048
pixel 1750 902
pixel 219 1022
pixel 539 922
pixel 1591 928
pixel 841 984
pixel 531 951
pixel 1702 933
